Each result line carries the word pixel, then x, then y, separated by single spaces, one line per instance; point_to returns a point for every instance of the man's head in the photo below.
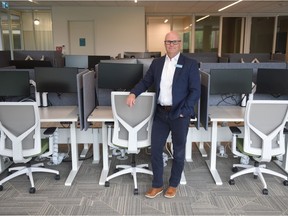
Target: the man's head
pixel 172 44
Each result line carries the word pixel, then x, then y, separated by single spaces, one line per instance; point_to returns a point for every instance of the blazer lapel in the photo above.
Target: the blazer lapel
pixel 179 66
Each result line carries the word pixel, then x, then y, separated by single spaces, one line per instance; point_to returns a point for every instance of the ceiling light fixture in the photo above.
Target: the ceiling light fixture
pixel 166 20
pixel 221 9
pixel 36 21
pixel 135 1
pixel 202 18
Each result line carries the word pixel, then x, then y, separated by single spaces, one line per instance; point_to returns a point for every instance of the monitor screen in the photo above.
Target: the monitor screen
pixel 58 80
pixel 119 76
pixel 79 61
pixel 134 54
pixel 14 83
pixel 272 81
pixel 231 81
pixel 94 60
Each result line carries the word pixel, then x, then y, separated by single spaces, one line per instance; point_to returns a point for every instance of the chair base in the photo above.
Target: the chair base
pixel 28 170
pixel 142 168
pixel 258 171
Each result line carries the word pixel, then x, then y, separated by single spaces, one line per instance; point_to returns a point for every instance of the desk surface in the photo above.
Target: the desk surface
pixel 58 114
pixel 226 113
pixel 101 114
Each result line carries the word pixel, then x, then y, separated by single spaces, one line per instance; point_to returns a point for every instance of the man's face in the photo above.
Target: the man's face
pixel 172 44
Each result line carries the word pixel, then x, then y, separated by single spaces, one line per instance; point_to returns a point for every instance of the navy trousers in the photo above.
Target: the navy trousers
pixel 162 126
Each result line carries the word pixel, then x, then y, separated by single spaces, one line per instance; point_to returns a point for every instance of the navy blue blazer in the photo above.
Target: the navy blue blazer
pixel 186 85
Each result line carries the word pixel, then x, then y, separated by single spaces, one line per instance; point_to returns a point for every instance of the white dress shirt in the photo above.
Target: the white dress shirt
pixel 165 96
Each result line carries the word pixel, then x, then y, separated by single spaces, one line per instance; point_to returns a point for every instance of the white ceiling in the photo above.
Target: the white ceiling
pixel 167 7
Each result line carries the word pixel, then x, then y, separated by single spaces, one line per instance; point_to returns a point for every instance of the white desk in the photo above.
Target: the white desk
pixel 221 114
pixel 104 114
pixel 65 114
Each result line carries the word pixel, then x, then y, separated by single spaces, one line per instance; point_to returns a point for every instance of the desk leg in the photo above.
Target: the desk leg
pixel 85 150
pixel 200 146
pixel 213 150
pixel 96 146
pixel 188 151
pixel 105 155
pixel 74 156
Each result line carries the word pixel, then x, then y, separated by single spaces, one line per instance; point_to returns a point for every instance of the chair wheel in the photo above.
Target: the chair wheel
pixel 1 187
pixel 231 181
pixel 136 191
pixel 285 183
pixel 57 177
pixel 235 169
pixel 107 184
pixel 32 190
pixel 265 191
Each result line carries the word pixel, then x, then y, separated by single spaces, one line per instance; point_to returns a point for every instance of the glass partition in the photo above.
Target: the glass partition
pixel 207 33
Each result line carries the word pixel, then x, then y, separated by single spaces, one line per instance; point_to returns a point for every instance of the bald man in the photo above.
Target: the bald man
pixel 176 79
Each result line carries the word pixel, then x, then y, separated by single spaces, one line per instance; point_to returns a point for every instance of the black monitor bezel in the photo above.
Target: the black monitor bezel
pixel 48 83
pixel 17 84
pixel 231 81
pixel 115 75
pixel 272 81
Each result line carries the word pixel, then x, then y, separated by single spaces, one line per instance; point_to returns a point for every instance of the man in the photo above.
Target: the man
pixel 176 80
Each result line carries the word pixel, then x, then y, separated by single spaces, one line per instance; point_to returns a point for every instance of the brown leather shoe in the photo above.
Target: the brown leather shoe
pixel 153 192
pixel 170 192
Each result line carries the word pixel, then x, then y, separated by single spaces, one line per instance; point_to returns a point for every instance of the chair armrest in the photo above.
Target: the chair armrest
pixel 235 130
pixel 49 131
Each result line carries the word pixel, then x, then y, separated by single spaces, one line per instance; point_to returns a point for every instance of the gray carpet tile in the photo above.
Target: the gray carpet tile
pixel 200 196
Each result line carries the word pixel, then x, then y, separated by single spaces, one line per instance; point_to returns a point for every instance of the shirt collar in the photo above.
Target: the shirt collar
pixel 175 58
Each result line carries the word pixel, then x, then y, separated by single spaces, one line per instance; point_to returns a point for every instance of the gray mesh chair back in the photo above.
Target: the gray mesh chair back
pixel 20 130
pixel 263 139
pixel 132 131
pixel 20 139
pixel 132 125
pixel 264 126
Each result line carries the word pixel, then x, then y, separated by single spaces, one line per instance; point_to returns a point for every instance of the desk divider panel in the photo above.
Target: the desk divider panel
pixel 90 100
pixel 204 99
pixel 80 97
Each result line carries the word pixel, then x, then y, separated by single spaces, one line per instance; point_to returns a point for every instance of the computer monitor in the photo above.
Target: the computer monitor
pixel 272 81
pixel 134 55
pixel 231 81
pixel 14 83
pixel 94 60
pixel 79 61
pixel 58 80
pixel 119 76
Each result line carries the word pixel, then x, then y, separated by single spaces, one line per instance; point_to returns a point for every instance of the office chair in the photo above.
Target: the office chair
pixel 263 139
pixel 132 130
pixel 20 138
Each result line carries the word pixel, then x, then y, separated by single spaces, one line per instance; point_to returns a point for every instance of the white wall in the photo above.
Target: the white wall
pixel 116 29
